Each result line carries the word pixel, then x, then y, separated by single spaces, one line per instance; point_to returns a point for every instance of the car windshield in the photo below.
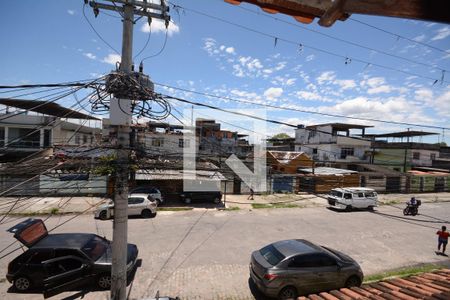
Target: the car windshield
pixel 336 194
pixel 272 255
pixel 95 247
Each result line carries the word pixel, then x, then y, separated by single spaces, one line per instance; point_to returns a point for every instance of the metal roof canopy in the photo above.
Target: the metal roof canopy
pixel 45 107
pixel 329 11
pixel 341 126
pixel 400 134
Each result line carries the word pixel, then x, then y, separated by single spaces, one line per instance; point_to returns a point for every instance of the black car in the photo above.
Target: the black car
pixel 60 262
pixel 188 197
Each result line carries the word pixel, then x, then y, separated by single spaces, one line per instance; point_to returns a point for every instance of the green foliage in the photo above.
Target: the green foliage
pixel 107 165
pixel 281 136
pixel 54 211
pixel 403 272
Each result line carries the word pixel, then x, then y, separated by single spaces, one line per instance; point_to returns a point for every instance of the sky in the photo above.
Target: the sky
pixel 243 53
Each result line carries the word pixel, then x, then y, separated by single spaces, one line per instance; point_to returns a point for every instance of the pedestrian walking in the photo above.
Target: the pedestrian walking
pixel 250 197
pixel 442 239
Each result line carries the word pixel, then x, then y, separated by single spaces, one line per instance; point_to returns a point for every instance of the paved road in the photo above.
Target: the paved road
pixel 204 254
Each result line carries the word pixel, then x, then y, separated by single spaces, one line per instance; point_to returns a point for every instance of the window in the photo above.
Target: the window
pixel 312 261
pixel 336 194
pixel 95 247
pixel 347 196
pixel 157 142
pixel 85 139
pixel 182 143
pixel 2 136
pixel 346 151
pixel 361 195
pixel 135 200
pixel 40 256
pixel 77 139
pixel 272 255
pixel 432 156
pixel 314 150
pixel 416 155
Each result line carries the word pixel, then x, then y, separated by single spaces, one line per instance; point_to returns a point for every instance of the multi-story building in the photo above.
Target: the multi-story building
pixel 400 155
pixel 213 140
pixel 333 142
pixel 29 126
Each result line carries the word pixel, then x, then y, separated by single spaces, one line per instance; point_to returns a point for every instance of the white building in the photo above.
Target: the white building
pixel 333 142
pixel 29 126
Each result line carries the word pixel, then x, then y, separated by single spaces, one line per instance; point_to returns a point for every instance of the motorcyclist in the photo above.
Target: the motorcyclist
pixel 413 201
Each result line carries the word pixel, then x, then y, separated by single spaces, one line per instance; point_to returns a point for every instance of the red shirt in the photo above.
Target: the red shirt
pixel 443 234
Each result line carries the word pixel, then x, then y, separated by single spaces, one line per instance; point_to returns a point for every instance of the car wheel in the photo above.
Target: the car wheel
pixel 103 215
pixel 370 208
pixel 146 213
pixel 22 283
pixel 353 281
pixel 348 208
pixel 288 292
pixel 217 200
pixel 187 200
pixel 104 281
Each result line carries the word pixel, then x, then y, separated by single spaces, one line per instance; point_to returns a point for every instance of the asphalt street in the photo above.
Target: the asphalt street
pixel 204 254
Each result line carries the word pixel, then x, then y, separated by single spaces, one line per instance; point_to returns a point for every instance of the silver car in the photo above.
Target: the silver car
pixel 289 268
pixel 138 204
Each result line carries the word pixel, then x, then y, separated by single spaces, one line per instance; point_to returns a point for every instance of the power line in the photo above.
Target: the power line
pixel 93 28
pixel 160 51
pixel 340 39
pixel 298 110
pixel 303 45
pixel 396 35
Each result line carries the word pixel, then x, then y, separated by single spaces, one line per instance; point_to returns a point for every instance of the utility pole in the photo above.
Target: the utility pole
pixel 120 120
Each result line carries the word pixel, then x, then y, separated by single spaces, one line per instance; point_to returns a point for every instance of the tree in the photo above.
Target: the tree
pixel 281 136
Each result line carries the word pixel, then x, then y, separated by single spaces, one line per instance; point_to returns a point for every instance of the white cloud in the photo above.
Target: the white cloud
pixel 419 38
pixel 310 57
pixel 112 59
pixel 442 104
pixel 380 89
pixel 230 50
pixel 375 81
pixel 304 95
pixel 159 26
pixel 290 81
pixel 442 33
pixel 71 12
pixel 345 83
pixel 326 77
pixel 272 93
pixel 423 95
pixel 90 55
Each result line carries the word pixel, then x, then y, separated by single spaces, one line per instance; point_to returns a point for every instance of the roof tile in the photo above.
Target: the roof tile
pixel 433 285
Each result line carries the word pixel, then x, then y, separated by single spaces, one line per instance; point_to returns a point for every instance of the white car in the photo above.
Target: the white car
pixel 138 204
pixel 151 191
pixel 353 197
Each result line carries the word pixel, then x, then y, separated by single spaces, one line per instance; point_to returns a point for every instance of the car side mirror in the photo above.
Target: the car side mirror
pixel 339 266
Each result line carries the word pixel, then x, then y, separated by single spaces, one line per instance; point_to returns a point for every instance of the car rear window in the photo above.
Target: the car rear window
pixel 95 247
pixel 272 255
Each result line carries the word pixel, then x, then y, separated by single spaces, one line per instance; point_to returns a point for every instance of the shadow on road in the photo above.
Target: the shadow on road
pixel 254 290
pixel 80 290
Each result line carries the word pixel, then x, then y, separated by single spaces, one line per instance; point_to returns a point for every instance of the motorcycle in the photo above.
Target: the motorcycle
pixel 412 209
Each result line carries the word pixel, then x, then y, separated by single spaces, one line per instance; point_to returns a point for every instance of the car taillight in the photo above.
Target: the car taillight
pixel 270 276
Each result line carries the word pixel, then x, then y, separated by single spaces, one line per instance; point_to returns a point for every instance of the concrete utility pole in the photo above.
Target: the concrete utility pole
pixel 120 120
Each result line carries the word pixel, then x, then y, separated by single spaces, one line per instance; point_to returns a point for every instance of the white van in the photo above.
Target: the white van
pixel 353 197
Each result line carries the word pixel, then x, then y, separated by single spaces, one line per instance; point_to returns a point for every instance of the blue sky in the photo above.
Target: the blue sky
pixel 50 42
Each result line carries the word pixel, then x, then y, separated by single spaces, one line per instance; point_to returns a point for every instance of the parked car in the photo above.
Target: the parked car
pixel 289 268
pixel 188 197
pixel 60 262
pixel 151 191
pixel 354 197
pixel 138 204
